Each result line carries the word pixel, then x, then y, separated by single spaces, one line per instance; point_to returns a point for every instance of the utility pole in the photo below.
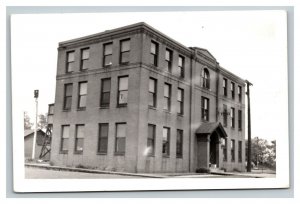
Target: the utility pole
pixel 249 127
pixel 36 96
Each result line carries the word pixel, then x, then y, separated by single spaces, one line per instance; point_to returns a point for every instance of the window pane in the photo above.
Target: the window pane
pixel 121 144
pixel 80 131
pixel 166 103
pixel 71 56
pixel 66 131
pixel 103 130
pixel 153 48
pixel 106 85
pixel 84 64
pixel 180 61
pixel 68 102
pixel 70 66
pixel 152 85
pixel 125 45
pixel 79 144
pixel 165 134
pixel 152 59
pixel 64 144
pixel 179 95
pixel 103 145
pixel 123 83
pixel 69 89
pixel 121 130
pixel 108 60
pixel 123 97
pixel 82 101
pixel 108 49
pixel 83 88
pixel 168 55
pixel 167 90
pixel 151 99
pixel 105 98
pixel 124 57
pixel 151 131
pixel 85 54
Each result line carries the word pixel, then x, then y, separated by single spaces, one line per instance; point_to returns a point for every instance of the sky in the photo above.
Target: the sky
pixel 250 44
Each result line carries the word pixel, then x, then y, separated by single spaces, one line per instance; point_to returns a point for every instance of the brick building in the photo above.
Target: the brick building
pixel 132 99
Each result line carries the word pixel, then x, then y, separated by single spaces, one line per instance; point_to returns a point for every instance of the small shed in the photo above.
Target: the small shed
pixel 28 140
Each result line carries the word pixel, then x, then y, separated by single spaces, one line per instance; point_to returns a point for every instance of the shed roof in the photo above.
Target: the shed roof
pixel 29 132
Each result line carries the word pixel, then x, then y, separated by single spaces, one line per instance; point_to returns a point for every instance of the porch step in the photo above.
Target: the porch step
pixel 216 170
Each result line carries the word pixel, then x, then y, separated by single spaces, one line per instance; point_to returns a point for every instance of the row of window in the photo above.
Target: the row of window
pixel 232 90
pixel 168 64
pixel 232 150
pixel 120 139
pixel 232 117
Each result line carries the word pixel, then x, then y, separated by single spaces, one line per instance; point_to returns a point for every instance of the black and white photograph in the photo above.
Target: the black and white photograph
pixel 150 100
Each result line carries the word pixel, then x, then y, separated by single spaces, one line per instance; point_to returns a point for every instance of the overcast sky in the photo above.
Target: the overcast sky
pixel 250 44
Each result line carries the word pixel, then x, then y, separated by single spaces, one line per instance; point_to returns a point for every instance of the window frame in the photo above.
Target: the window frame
pixel 156 54
pixel 225 156
pixel 116 152
pixel 62 140
pixel 102 104
pixel 76 151
pixel 224 85
pixel 119 91
pixel 82 60
pixel 205 78
pixel 232 150
pixel 166 154
pixel 123 52
pixel 100 137
pixel 65 97
pixel 107 55
pixel 168 98
pixel 240 93
pixel 240 151
pixel 179 143
pixel 203 110
pixel 70 62
pixel 240 120
pixel 180 104
pixel 168 63
pixel 232 90
pixel 152 140
pixel 182 67
pixel 225 115
pixel 232 116
pixel 82 95
pixel 153 93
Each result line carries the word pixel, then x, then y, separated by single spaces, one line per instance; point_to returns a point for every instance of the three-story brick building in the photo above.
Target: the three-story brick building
pixel 132 99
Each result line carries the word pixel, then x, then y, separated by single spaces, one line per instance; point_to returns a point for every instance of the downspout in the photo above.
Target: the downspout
pixel 217 91
pixel 191 109
pixel 249 128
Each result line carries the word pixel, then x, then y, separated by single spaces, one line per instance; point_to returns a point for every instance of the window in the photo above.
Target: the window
pixel 103 138
pixel 240 93
pixel 51 109
pixel 224 87
pixel 169 57
pixel 68 96
pixel 70 61
pixel 154 53
pixel 124 52
pixel 225 115
pixel 65 133
pixel 240 151
pixel 82 95
pixel 180 97
pixel 120 138
pixel 79 139
pixel 166 142
pixel 123 91
pixel 181 66
pixel 239 120
pixel 204 108
pixel 205 78
pixel 225 150
pixel 232 150
pixel 232 88
pixel 85 54
pixel 105 93
pixel 232 113
pixel 151 139
pixel 179 142
pixel 167 97
pixel 107 54
pixel 152 92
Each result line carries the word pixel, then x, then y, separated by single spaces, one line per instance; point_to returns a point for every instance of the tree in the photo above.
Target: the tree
pixel 42 123
pixel 27 124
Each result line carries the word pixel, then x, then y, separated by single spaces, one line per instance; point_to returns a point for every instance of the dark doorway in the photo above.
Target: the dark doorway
pixel 213 150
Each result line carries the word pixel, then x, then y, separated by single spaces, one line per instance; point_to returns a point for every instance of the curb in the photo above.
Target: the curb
pixel 59 168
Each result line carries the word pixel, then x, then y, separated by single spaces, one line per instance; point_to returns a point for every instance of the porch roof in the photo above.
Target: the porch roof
pixel 209 128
